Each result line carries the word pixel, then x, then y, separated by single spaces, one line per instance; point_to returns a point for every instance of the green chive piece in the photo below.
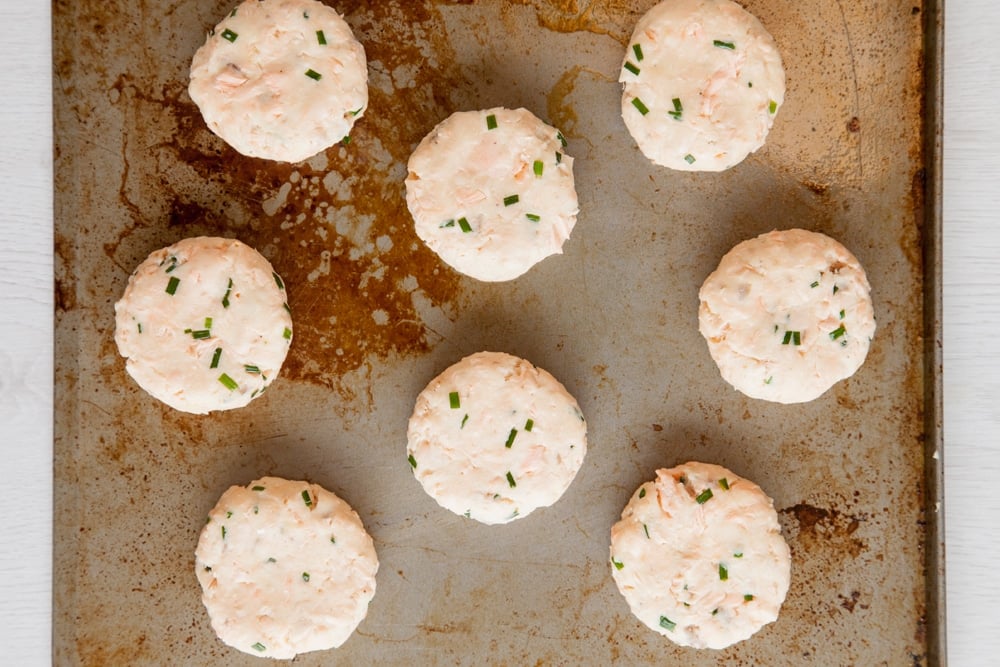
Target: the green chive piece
pixel 511 199
pixel 561 139
pixel 447 223
pixel 233 13
pixel 723 45
pixel 646 528
pixel 140 325
pixel 738 555
pixel 724 483
pixel 223 532
pixel 173 264
pixel 510 480
pixel 305 15
pixel 278 281
pixel 250 368
pixel 225 299
pixel 464 225
pixel 749 84
pixel 468 514
pixel 703 497
pixel 558 157
pixel 533 217
pixel 333 539
pixel 464 419
pixel 637 103
pixel 287 309
pixel 747 597
pixel 510 438
pixel 228 382
pixel 201 334
pixel 723 572
pixel 642 492
pixel 769 380
pixel 491 122
pixel 172 285
pixel 229 515
pixel 257 488
pixel 216 357
pixel 306 498
pixel 772 107
pixel 637 49
pixel 838 332
pixel 357 111
pixel 454 401
pixel 258 647
pixel 313 74
pixel 305 576
pixel 320 37
pixel 841 315
pixel 538 167
pixel 413 461
pixel 835 289
pixel 689 158
pixel 287 334
pixel 208 322
pixel 678 109
pixel 797 338
pixel 814 284
pixel 528 425
pixel 794 337
pixel 229 35
pixel 667 623
pixel 346 140
pixel 715 611
pixel 632 68
pixel 618 564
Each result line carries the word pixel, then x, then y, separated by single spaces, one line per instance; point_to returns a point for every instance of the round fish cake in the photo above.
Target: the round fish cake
pixel 492 193
pixel 285 567
pixel 699 556
pixel 703 82
pixel 204 324
pixel 280 79
pixel 494 438
pixel 787 315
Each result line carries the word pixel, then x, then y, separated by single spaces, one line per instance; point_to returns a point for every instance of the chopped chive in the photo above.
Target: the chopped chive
pixel 305 576
pixel 558 157
pixel 723 572
pixel 233 13
pixel 187 331
pixel 208 322
pixel 637 49
pixel 618 564
pixel 287 309
pixel 346 140
pixel 533 217
pixel 464 419
pixel 749 84
pixel 223 532
pixel 464 225
pixel 747 597
pixel 413 461
pixel 814 284
pixel 172 285
pixel 173 264
pixel 528 425
pixel 689 158
pixel 468 514
pixel 216 357
pixel 715 611
pixel 225 299
pixel 561 139
pixel 320 37
pixel 646 528
pixel 510 480
pixel 258 647
pixel 538 167
pixel 703 497
pixel 723 45
pixel 454 401
pixel 797 338
pixel 305 15
pixel 287 334
pixel 306 498
pixel 313 74
pixel 724 483
pixel 772 107
pixel 333 539
pixel 491 122
pixel 632 68
pixel 250 368
pixel 637 103
pixel 739 554
pixel 228 382
pixel 140 325
pixel 208 568
pixel 229 35
pixel 278 281
pixel 835 289
pixel 642 492
pixel 447 223
pixel 229 515
pixel 257 488
pixel 838 332
pixel 201 334
pixel 794 337
pixel 769 380
pixel 510 438
pixel 357 111
pixel 511 199
pixel 841 315
pixel 667 623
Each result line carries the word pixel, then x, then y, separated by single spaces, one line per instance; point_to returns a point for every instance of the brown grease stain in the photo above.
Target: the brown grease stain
pixel 821 528
pixel 614 18
pixel 561 113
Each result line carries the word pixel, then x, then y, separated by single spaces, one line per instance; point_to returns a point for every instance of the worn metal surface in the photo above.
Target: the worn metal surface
pixel 377 316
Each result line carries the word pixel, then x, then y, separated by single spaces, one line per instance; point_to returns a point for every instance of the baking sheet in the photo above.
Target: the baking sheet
pixel 853 474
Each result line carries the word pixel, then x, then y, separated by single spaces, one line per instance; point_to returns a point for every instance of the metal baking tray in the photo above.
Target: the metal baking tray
pixel 855 475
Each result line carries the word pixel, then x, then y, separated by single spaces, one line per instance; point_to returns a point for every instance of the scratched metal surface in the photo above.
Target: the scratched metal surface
pixel 377 316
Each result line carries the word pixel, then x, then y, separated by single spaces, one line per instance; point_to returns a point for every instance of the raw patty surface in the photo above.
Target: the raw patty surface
pixel 492 193
pixel 699 556
pixel 204 324
pixel 787 315
pixel 280 79
pixel 494 438
pixel 285 567
pixel 703 82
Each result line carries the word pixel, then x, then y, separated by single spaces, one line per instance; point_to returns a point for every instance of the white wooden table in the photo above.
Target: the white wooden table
pixel 971 332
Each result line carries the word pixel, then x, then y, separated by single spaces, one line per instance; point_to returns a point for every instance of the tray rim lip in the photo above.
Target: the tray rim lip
pixel 929 222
